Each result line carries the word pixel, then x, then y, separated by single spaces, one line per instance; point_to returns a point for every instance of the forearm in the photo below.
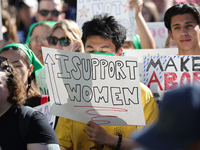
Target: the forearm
pixel 146 38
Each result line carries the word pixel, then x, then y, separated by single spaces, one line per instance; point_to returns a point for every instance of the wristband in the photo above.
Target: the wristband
pixel 119 142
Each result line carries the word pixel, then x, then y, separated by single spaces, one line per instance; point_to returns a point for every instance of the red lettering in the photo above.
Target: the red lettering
pixel 154 79
pixel 196 77
pixel 169 81
pixel 186 76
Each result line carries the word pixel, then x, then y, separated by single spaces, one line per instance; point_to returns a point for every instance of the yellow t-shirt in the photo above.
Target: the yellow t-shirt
pixel 72 134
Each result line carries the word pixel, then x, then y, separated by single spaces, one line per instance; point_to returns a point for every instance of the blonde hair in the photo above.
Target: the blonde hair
pixel 71 30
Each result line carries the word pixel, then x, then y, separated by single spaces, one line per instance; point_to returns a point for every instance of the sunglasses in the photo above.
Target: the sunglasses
pixel 4 63
pixel 46 12
pixel 64 41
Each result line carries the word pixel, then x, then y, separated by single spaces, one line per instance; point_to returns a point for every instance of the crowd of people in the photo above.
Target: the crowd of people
pixel 27 25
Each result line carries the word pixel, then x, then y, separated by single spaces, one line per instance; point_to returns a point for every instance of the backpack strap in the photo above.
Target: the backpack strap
pixel 44 99
pixel 24 121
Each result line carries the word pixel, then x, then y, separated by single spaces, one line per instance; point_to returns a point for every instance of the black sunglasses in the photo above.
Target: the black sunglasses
pixel 64 41
pixel 46 12
pixel 4 63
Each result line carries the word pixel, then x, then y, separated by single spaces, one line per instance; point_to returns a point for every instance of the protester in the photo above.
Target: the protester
pixel 145 39
pixel 51 10
pixel 103 34
pixel 182 22
pixel 65 35
pixel 37 133
pixel 178 123
pixel 37 37
pixel 27 9
pixel 23 60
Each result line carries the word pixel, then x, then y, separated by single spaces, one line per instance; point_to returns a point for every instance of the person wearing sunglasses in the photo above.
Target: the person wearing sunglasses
pixel 51 10
pixel 13 95
pixel 65 35
pixel 37 37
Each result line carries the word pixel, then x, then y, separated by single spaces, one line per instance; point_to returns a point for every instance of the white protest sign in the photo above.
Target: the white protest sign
pixel 86 9
pixel 84 87
pixel 163 73
pixel 1 34
pixel 46 110
pixel 159 33
pixel 140 53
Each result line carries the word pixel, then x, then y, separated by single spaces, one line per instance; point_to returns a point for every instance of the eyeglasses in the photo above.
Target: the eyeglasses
pixel 37 39
pixel 46 12
pixel 4 63
pixel 64 41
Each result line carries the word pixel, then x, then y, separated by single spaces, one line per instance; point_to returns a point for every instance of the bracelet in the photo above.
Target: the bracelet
pixel 119 142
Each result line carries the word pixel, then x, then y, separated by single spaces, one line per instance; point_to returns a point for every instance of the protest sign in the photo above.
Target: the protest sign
pixel 163 73
pixel 86 9
pixel 140 53
pixel 84 87
pixel 46 110
pixel 1 34
pixel 159 33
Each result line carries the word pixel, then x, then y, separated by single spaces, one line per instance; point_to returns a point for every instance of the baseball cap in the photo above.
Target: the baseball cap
pixel 178 125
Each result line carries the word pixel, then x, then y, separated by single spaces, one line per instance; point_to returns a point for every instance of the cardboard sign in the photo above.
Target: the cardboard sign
pixel 84 87
pixel 86 9
pixel 141 52
pixel 163 73
pixel 159 33
pixel 46 110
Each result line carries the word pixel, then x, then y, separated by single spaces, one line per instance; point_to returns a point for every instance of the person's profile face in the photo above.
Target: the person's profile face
pixel 185 32
pixel 4 92
pixel 98 44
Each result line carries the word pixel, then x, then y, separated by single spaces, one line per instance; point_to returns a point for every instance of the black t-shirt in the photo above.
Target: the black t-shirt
pixel 39 131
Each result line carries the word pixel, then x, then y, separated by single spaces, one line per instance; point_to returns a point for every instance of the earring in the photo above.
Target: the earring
pixel 29 83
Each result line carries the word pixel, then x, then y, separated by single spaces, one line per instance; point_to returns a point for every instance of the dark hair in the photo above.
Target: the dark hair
pixel 15 86
pixel 180 9
pixel 31 88
pixel 106 27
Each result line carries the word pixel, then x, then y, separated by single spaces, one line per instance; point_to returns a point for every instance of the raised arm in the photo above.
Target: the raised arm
pixel 146 38
pixel 99 136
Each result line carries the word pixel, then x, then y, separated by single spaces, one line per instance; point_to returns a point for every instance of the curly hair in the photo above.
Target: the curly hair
pixel 106 27
pixel 14 84
pixel 180 9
